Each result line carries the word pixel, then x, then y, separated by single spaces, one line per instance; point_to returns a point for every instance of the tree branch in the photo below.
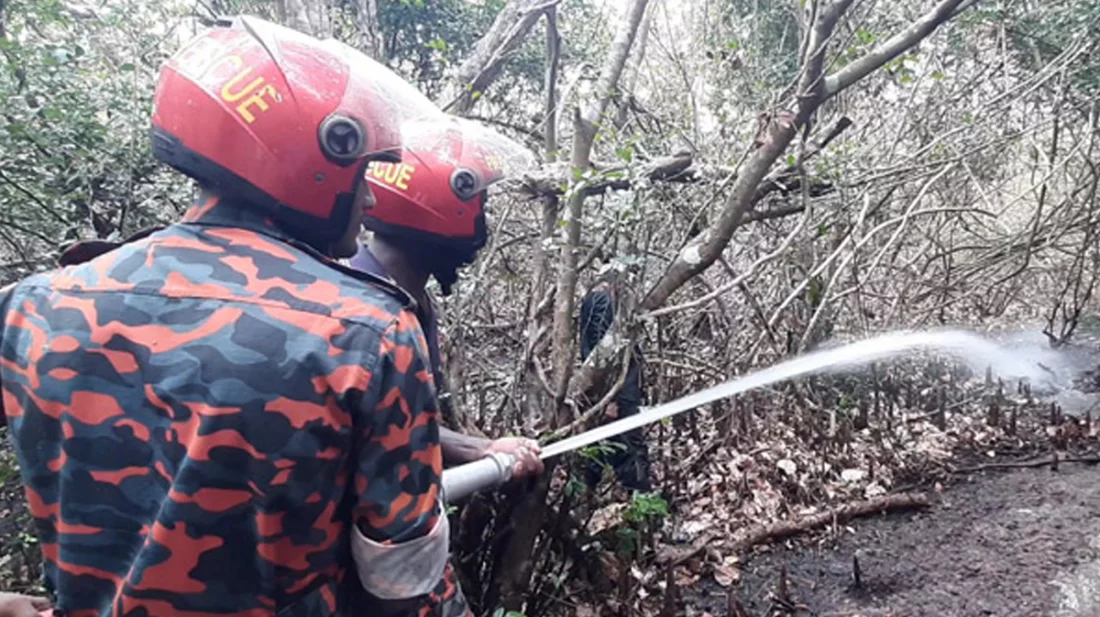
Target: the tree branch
pixel 778 134
pixel 371 42
pixel 553 60
pixel 482 67
pixel 893 47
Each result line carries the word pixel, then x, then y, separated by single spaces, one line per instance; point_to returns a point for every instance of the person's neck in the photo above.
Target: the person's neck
pixel 399 266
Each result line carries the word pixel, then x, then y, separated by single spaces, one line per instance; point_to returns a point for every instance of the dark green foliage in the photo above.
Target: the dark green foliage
pixel 75 91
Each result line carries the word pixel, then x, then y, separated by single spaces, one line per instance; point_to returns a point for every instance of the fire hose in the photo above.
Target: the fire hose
pixel 496 469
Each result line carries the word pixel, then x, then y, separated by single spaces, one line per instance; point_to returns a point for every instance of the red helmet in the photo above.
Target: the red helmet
pixel 282 120
pixel 436 193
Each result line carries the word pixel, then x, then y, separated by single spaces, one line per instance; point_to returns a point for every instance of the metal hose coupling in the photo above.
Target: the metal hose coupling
pixel 492 470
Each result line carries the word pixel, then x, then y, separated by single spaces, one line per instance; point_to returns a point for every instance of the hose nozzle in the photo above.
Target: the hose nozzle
pixel 492 470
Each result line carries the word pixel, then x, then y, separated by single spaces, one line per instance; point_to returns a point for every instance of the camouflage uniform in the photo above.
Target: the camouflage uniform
pixel 200 415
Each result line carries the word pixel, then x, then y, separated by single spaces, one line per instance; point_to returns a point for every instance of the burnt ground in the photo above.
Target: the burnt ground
pixel 1007 543
pixel 1017 543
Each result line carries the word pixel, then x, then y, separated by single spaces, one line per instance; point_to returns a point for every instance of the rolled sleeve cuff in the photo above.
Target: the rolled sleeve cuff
pixel 405 570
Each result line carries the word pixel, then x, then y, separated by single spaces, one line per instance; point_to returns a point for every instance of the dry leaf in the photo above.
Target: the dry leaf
pixel 852 475
pixel 684 579
pixel 726 575
pixel 788 466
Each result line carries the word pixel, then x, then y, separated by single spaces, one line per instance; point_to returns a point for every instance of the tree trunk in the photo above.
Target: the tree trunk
pixel 509 30
pixel 371 41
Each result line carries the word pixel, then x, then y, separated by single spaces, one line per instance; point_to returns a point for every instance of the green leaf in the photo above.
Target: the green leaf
pixel 574 486
pixel 126 68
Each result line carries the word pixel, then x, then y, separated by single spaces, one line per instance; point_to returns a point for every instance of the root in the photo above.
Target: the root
pixel 769 533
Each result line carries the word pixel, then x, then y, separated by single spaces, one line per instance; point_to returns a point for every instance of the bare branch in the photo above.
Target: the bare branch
pixel 893 47
pixel 371 42
pixel 553 59
pixel 616 60
pixel 778 134
pixel 509 30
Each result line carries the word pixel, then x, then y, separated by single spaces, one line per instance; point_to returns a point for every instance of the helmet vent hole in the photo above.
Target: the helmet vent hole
pixel 464 184
pixel 342 139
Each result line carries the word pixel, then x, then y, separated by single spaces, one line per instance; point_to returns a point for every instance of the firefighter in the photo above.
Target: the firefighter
pixel 428 221
pixel 218 418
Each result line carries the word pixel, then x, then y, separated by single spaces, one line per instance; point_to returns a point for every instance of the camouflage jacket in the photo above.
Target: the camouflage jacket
pixel 201 414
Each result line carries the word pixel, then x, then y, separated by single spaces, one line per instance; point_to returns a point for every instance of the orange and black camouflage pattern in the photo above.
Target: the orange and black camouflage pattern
pixel 200 415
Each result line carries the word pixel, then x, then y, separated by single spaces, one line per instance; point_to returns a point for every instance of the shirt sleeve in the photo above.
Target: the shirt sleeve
pixel 401 535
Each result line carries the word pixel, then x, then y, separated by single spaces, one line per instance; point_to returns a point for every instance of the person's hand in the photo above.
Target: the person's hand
pixel 526 452
pixel 19 605
pixel 611 412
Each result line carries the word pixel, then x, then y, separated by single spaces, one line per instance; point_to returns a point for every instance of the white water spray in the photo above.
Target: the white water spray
pixel 976 351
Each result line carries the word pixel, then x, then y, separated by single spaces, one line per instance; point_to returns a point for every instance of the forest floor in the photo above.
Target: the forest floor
pixel 1006 543
pixel 1008 534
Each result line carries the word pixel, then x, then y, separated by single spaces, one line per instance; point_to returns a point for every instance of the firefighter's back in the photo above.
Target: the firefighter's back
pixel 184 410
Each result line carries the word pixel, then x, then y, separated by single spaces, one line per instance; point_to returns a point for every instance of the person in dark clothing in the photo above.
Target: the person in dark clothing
pixel 627 453
pixel 428 221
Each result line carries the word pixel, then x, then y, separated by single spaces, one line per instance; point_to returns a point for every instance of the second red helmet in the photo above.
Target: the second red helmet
pixel 437 192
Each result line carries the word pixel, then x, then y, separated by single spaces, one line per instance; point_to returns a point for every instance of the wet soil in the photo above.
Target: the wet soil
pixel 1006 544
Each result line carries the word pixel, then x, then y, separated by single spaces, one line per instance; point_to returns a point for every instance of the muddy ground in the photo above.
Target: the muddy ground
pixel 1000 543
pixel 1018 543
